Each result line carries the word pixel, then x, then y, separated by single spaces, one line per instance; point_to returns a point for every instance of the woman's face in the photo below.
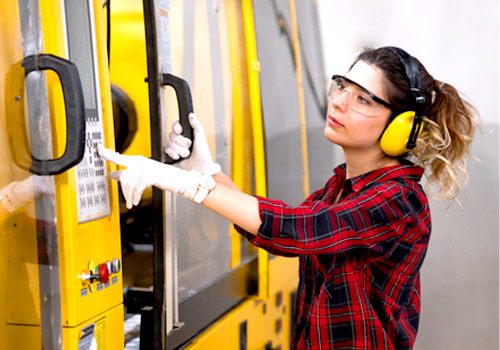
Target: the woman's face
pixel 345 125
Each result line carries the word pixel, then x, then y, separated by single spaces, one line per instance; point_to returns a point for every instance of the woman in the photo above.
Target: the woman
pixel 362 238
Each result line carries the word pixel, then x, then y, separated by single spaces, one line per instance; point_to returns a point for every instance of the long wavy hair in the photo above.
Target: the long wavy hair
pixel 449 122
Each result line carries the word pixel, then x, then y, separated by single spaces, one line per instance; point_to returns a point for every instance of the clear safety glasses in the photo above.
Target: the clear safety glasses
pixel 358 98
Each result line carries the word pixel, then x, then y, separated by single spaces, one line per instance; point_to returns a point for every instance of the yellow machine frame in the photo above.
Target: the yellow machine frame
pixel 265 317
pixel 268 315
pixel 81 246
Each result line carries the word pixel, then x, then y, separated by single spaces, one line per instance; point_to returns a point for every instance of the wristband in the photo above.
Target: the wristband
pixel 206 184
pixel 213 169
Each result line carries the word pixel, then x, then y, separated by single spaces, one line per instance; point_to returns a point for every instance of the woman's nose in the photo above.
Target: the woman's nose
pixel 341 101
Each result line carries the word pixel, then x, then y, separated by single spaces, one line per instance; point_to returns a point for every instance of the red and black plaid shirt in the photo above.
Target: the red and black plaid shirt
pixel 359 259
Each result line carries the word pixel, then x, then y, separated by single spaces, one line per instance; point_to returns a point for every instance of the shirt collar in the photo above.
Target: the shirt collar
pixel 407 172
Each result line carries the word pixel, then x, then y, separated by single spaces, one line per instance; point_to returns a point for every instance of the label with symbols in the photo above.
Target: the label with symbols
pixel 91 177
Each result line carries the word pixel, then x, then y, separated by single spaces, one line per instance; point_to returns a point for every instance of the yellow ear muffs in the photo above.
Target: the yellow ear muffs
pixel 395 137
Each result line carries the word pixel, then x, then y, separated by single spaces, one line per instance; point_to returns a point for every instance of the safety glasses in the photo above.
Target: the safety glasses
pixel 358 98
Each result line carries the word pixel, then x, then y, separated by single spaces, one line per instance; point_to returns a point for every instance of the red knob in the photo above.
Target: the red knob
pixel 103 272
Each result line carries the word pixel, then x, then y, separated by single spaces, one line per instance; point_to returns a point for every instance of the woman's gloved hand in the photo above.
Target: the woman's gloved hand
pixel 142 173
pixel 19 194
pixel 200 158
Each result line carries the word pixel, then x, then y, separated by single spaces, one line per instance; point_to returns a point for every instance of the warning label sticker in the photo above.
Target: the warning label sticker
pixel 87 339
pixel 93 336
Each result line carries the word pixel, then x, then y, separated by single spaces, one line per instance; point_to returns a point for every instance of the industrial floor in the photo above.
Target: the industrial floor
pixel 138 272
pixel 132 332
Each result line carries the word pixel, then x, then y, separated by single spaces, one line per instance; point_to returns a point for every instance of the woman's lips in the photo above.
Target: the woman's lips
pixel 334 122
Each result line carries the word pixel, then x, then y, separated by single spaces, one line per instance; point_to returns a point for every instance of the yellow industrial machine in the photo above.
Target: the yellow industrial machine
pixel 250 70
pixel 61 282
pixel 252 83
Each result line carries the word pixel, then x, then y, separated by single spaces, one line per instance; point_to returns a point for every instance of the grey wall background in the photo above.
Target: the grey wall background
pixel 458 42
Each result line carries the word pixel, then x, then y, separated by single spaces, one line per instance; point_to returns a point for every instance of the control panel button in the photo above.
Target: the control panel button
pixel 103 273
pixel 109 264
pixel 116 265
pixel 88 277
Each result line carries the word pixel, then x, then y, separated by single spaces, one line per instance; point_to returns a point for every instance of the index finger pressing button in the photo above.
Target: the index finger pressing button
pixel 111 156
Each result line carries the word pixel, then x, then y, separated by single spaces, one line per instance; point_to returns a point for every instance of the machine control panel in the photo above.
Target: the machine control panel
pixel 99 276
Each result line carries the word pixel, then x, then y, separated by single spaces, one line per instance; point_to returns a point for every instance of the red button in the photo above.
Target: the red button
pixel 103 272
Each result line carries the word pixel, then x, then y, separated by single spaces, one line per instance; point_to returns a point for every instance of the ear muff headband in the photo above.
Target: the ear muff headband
pixel 402 132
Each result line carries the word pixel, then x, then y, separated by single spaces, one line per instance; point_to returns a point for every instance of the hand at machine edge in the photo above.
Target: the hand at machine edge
pixel 142 173
pixel 200 158
pixel 19 194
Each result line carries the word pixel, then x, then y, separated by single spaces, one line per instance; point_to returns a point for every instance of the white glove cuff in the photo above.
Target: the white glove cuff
pixel 213 169
pixel 207 183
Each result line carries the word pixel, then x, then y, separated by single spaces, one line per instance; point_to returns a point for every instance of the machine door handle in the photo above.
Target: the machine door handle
pixel 185 104
pixel 74 109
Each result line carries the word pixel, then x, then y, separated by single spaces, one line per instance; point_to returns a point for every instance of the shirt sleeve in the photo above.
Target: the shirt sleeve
pixel 370 222
pixel 252 239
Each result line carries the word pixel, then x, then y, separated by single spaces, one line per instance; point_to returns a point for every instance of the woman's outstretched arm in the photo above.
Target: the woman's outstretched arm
pixel 236 206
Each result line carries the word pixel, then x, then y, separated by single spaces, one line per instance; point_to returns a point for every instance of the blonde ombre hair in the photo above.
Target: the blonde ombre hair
pixel 449 122
pixel 446 138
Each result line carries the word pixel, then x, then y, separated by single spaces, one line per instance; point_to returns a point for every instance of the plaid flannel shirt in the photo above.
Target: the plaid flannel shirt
pixel 359 258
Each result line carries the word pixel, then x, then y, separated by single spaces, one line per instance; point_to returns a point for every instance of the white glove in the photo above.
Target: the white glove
pixel 142 173
pixel 19 194
pixel 178 146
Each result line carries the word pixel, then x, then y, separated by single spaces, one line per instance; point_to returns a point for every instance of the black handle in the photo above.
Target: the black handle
pixel 74 108
pixel 185 104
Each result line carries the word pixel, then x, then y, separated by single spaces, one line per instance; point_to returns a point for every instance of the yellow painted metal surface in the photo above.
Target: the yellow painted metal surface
pixel 10 55
pixel 129 74
pixel 253 65
pixel 300 97
pixel 278 276
pixel 253 69
pixel 242 151
pixel 129 69
pixel 284 276
pixel 98 240
pixel 107 335
pixel 267 320
pixel 82 246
